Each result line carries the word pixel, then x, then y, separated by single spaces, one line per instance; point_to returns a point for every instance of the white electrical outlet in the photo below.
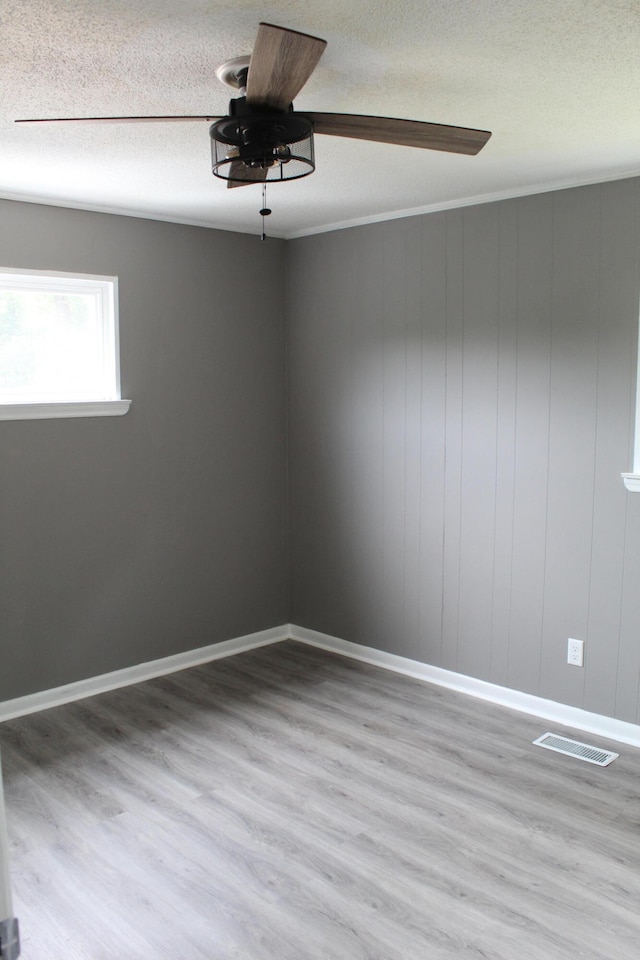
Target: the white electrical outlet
pixel 575 652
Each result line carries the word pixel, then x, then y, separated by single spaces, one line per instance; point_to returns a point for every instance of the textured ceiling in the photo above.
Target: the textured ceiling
pixel 557 81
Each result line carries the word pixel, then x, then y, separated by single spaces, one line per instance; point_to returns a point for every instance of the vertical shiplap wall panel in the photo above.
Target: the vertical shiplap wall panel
pixel 478 446
pixel 433 348
pixel 628 651
pixel 337 414
pixel 505 445
pixel 454 319
pixel 413 435
pixel 572 430
pixel 367 367
pixel 617 346
pixel 314 375
pixel 345 414
pixel 531 441
pixel 461 394
pixel 395 426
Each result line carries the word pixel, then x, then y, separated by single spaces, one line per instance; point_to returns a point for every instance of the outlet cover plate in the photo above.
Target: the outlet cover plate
pixel 575 652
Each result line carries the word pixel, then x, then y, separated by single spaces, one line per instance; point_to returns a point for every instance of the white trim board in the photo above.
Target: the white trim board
pixel 51 411
pixel 495 196
pixel 453 203
pixel 608 727
pixel 32 703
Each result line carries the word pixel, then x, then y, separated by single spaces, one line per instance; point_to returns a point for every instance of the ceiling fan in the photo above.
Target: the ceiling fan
pixel 263 139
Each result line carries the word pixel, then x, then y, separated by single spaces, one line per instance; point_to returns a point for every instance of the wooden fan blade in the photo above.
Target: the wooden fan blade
pixel 244 175
pixel 281 63
pixel 116 119
pixel 407 133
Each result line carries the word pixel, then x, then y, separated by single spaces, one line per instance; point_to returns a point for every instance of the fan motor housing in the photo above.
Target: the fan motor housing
pixel 279 144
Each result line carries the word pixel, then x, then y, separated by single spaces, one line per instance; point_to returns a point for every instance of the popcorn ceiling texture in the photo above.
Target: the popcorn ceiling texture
pixel 557 81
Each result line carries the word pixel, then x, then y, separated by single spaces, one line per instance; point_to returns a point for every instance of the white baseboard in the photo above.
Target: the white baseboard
pixel 595 723
pixel 608 727
pixel 137 674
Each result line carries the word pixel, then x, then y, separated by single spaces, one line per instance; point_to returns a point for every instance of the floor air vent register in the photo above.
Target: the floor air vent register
pixel 573 748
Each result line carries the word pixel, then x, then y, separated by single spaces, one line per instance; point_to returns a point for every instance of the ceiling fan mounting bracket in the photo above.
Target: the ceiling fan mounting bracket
pixel 233 73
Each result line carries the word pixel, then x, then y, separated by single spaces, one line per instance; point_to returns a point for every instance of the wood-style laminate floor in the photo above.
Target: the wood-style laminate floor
pixel 289 804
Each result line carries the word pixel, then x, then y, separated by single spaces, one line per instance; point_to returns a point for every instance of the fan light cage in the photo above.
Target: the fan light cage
pixel 264 150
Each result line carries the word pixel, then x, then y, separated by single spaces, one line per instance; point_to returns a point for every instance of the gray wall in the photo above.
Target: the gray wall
pixel 461 396
pixel 461 390
pixel 129 538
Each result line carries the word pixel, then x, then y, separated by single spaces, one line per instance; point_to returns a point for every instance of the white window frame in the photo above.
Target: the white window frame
pixel 106 288
pixel 632 480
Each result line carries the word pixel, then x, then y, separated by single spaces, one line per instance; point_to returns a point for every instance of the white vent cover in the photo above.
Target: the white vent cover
pixel 583 751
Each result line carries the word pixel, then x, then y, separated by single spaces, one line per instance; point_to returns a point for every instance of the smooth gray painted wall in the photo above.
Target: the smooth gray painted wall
pixel 461 391
pixel 130 538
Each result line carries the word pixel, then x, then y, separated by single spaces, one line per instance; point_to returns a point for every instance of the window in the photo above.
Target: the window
pixel 632 480
pixel 59 353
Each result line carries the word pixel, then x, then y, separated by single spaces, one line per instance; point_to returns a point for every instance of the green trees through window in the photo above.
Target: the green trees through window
pixel 58 338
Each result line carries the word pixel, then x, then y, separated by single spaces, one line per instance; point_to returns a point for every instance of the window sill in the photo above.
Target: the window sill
pixel 49 411
pixel 632 481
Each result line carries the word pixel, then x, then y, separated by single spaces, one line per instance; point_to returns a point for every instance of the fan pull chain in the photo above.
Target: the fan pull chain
pixel 265 209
